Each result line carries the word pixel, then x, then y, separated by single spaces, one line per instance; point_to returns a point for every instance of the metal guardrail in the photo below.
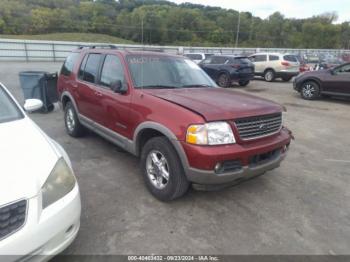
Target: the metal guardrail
pixel 37 50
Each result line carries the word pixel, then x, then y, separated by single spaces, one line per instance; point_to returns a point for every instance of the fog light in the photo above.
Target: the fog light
pixel 217 167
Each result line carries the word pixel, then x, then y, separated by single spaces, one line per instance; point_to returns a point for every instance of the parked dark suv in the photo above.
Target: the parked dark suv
pixel 331 82
pixel 226 69
pixel 169 112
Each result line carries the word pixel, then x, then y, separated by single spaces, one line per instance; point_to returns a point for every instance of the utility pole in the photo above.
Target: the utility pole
pixel 238 25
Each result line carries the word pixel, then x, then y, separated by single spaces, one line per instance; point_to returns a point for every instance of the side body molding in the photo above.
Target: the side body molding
pixel 131 146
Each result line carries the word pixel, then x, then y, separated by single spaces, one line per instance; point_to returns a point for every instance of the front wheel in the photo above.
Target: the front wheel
pixel 243 83
pixel 269 75
pixel 162 170
pixel 73 126
pixel 310 90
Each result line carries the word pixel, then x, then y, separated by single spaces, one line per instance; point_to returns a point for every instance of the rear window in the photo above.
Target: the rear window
pixel 273 57
pixel 290 58
pixel 69 63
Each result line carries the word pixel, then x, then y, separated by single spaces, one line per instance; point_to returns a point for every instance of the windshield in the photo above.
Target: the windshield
pixel 8 109
pixel 152 71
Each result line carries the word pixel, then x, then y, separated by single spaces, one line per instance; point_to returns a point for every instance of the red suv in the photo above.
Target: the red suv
pixel 168 111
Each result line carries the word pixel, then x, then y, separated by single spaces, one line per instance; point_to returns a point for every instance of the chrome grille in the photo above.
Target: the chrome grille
pixel 258 126
pixel 12 217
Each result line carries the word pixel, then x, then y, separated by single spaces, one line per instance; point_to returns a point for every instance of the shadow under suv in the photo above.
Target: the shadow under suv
pixel 168 111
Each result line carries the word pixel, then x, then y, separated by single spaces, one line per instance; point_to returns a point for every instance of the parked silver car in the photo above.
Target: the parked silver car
pixel 275 65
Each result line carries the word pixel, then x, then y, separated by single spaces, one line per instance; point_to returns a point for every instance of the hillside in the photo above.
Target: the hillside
pixel 165 23
pixel 74 37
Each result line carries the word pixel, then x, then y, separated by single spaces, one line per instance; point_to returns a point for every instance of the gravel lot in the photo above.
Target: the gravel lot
pixel 301 208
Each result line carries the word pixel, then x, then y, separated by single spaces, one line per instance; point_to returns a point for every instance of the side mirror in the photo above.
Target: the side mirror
pixel 117 87
pixel 31 105
pixel 332 71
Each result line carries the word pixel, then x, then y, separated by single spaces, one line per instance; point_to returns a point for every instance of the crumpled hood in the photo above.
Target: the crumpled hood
pixel 26 159
pixel 217 103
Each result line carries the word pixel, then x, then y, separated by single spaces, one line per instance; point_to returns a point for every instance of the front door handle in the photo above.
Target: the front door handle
pixel 98 93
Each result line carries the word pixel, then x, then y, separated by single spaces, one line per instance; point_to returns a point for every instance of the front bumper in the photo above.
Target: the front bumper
pixel 201 165
pixel 46 232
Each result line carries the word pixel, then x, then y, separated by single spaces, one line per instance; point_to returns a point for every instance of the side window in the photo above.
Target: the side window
pixel 218 60
pixel 69 63
pixel 260 58
pixel 273 57
pixel 91 68
pixel 112 71
pixel 345 69
pixel 290 58
pixel 82 68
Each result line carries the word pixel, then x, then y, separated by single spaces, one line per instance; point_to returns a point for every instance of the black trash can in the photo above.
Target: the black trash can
pixel 40 85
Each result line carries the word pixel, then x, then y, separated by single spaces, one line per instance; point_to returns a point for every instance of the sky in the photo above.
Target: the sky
pixel 289 8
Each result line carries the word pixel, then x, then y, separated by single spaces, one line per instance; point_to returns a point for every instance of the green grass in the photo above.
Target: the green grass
pixel 74 37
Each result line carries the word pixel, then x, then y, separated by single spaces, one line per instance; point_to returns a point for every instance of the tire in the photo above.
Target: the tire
pixel 243 83
pixel 310 90
pixel 73 126
pixel 224 80
pixel 269 75
pixel 286 78
pixel 161 186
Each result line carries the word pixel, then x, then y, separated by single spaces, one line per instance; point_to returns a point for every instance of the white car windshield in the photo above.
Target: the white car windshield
pixel 156 71
pixel 8 109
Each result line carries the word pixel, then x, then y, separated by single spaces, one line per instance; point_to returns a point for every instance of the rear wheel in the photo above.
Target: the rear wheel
pixel 73 126
pixel 269 75
pixel 162 170
pixel 243 82
pixel 224 80
pixel 310 90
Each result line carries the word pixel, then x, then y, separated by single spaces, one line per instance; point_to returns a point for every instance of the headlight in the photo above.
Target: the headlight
pixel 215 133
pixel 59 183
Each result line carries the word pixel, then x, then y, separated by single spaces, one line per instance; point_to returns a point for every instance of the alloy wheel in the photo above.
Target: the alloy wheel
pixel 157 169
pixel 70 120
pixel 309 90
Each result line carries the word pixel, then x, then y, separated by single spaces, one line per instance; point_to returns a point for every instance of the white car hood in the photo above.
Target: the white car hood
pixel 27 156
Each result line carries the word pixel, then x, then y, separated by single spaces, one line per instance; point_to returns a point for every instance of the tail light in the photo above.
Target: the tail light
pixel 284 63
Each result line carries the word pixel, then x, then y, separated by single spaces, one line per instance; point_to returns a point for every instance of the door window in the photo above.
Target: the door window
pixel 91 68
pixel 273 57
pixel 345 69
pixel 218 60
pixel 112 71
pixel 260 58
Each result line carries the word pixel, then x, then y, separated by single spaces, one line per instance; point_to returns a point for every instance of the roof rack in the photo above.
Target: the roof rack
pixel 97 46
pixel 148 49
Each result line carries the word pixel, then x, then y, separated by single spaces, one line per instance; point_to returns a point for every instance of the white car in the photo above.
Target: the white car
pixel 275 65
pixel 39 195
pixel 198 57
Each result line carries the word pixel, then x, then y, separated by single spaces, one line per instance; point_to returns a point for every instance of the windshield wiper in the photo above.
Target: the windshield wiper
pixel 197 85
pixel 157 86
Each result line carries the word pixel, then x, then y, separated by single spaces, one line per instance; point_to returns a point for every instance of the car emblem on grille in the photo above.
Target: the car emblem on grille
pixel 262 126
